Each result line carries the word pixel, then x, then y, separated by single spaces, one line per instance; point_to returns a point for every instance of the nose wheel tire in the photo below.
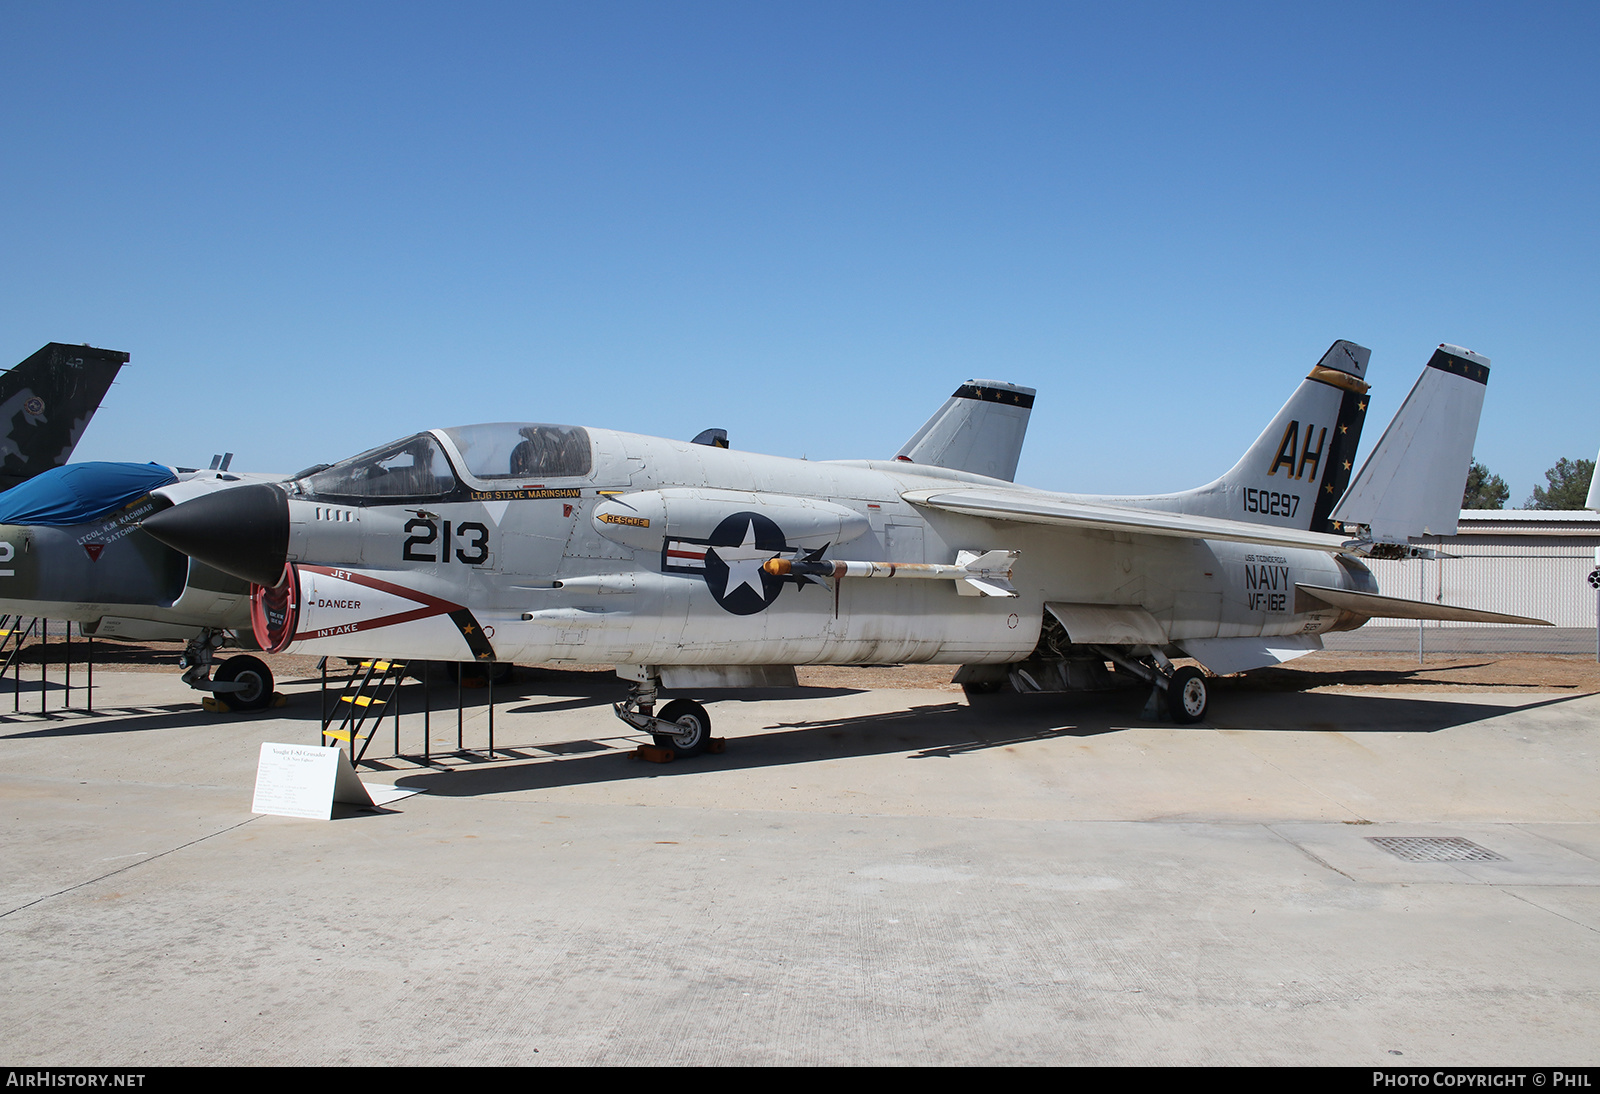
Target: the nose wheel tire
pixel 252 672
pixel 1186 695
pixel 694 728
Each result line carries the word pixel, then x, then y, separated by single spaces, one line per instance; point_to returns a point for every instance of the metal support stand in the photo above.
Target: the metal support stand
pixel 1422 594
pixel 14 634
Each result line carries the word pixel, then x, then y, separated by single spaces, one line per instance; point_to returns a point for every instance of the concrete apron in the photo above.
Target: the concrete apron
pixel 863 877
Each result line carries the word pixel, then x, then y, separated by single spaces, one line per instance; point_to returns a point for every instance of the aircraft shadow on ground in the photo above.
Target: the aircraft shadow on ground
pixel 950 730
pixel 1292 678
pixel 532 692
pixel 115 719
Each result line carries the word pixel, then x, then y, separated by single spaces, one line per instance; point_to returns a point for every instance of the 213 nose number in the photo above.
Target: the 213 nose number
pixel 424 533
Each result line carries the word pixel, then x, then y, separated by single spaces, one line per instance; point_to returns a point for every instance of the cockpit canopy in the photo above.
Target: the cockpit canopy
pixel 418 467
pixel 509 450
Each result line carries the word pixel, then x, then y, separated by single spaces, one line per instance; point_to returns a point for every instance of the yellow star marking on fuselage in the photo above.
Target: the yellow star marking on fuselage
pixel 1342 429
pixel 1347 465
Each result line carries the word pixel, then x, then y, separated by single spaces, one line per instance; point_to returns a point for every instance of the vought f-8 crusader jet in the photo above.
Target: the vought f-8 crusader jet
pixel 695 566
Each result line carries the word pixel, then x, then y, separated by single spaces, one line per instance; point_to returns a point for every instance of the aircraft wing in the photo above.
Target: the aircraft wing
pixel 1030 508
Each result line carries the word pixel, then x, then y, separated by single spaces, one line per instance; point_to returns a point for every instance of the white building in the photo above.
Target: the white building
pixel 1520 561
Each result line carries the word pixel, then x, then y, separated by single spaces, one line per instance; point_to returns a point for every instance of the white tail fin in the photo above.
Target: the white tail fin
pixel 979 429
pixel 1411 484
pixel 1299 466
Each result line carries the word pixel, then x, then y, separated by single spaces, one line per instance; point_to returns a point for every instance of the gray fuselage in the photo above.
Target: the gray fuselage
pixel 651 556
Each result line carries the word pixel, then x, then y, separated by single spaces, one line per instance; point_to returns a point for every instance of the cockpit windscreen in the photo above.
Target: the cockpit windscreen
pixel 413 468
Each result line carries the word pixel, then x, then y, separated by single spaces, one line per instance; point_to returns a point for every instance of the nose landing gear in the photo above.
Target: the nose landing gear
pixel 244 682
pixel 683 727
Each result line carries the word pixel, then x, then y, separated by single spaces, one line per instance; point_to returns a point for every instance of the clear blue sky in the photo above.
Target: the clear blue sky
pixel 317 227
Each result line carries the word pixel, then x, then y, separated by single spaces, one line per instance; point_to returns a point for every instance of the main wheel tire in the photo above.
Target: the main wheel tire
pixel 694 736
pixel 1186 695
pixel 251 671
pixel 983 687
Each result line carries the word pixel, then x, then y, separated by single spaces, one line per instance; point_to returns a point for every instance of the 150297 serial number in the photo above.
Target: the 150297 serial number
pixel 1269 502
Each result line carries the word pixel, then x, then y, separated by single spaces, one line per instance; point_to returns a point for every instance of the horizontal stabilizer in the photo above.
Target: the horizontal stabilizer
pixel 1310 598
pixel 1412 483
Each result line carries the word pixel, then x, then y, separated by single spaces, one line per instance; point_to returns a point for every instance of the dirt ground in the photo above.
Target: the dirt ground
pixel 1326 671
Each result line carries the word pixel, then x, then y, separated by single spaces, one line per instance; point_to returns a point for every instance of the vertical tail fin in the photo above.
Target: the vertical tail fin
pixel 1295 472
pixel 45 403
pixel 979 429
pixel 1411 484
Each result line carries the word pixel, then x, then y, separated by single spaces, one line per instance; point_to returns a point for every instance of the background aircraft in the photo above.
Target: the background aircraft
pixel 70 546
pixel 692 567
pixel 71 549
pixel 45 403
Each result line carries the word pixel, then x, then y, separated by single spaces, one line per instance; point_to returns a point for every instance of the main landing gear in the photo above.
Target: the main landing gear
pixel 1186 695
pixel 244 682
pixel 1060 665
pixel 683 727
pixel 1180 693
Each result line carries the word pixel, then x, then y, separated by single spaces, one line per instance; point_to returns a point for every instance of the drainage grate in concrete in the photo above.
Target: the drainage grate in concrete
pixel 1435 849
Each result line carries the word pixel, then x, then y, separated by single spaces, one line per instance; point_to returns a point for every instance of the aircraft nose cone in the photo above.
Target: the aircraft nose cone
pixel 243 531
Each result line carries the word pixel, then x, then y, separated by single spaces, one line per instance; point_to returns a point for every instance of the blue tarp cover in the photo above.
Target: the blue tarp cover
pixel 80 492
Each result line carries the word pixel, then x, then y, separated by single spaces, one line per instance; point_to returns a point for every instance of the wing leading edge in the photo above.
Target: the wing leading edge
pixel 1029 508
